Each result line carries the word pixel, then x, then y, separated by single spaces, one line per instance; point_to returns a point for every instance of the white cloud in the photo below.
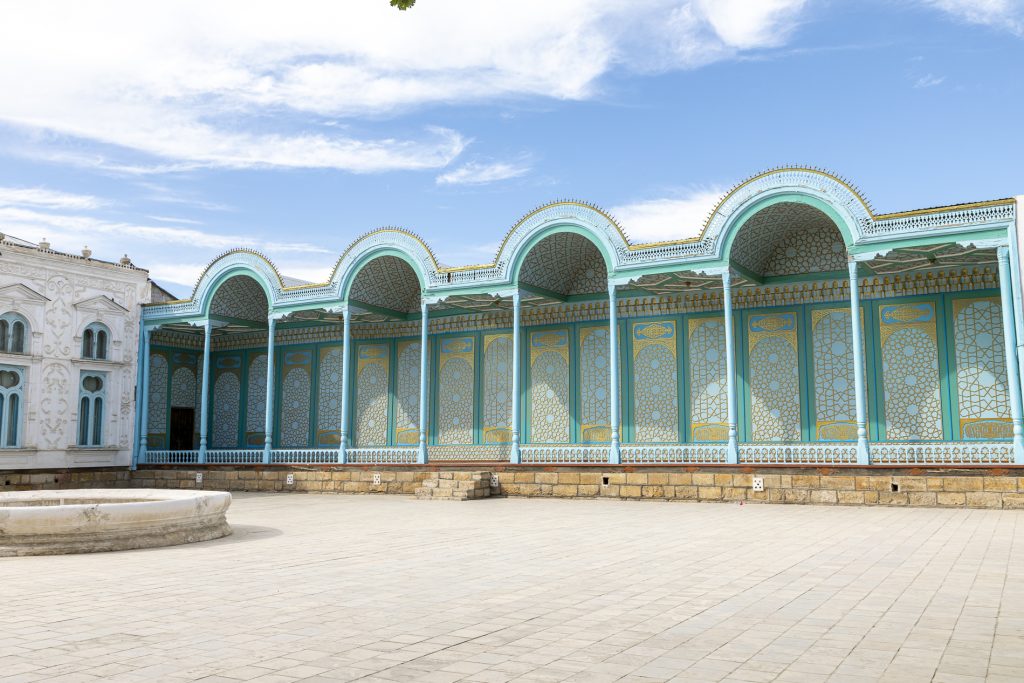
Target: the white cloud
pixel 1004 14
pixel 51 199
pixel 929 81
pixel 672 218
pixel 256 84
pixel 475 173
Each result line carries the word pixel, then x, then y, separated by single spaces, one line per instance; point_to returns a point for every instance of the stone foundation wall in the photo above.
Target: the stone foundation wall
pixel 976 487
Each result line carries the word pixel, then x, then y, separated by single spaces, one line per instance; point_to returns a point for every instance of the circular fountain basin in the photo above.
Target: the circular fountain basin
pixel 98 520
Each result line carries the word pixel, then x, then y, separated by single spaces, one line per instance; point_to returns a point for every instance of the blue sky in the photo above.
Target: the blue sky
pixel 173 131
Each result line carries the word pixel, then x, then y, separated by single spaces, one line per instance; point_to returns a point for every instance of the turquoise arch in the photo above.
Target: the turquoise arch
pixel 347 278
pixel 523 250
pixel 235 271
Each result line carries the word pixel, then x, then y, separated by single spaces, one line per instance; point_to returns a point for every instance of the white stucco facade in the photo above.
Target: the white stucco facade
pixel 61 296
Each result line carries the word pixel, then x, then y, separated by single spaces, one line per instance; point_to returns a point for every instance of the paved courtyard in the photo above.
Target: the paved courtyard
pixel 387 588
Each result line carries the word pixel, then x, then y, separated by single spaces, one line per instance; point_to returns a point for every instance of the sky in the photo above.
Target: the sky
pixel 173 131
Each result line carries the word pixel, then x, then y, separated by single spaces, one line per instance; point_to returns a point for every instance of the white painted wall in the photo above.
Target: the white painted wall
pixel 60 294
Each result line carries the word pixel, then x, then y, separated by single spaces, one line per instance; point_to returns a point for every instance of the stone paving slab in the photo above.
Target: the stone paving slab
pixel 387 588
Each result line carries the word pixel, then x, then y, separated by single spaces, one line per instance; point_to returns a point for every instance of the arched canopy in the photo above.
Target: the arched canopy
pixel 239 296
pixel 254 268
pixel 787 238
pixel 592 225
pixel 400 244
pixel 563 263
pixel 385 285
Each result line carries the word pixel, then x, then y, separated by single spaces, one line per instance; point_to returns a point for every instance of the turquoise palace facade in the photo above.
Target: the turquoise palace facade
pixel 798 328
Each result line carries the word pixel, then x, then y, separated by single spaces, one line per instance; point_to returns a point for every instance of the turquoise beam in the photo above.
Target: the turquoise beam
pixel 732 448
pixel 144 407
pixel 615 452
pixel 1010 347
pixel 346 352
pixel 515 456
pixel 421 456
pixel 268 413
pixel 860 391
pixel 204 402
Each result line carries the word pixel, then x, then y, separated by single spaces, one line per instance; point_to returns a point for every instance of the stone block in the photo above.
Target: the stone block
pixel 524 478
pixel 922 498
pixel 709 493
pixel 588 490
pixel 1000 484
pixel 743 480
pixel 629 491
pixel 568 478
pixel 838 483
pixel 963 483
pixel 771 481
pixel 806 481
pixel 1013 501
pixel 893 498
pixel 657 478
pixel 680 478
pixel 908 484
pixel 735 492
pixel 850 497
pixel 564 490
pixel 590 478
pixel 824 497
pixel 874 483
pixel 636 478
pixel 984 499
pixel 652 492
pixel 610 491
pixel 546 478
pixel 951 498
pixel 795 495
pixel 703 479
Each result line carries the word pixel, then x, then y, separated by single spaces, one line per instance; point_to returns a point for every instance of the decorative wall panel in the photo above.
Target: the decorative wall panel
pixel 709 410
pixel 910 371
pixel 655 382
pixel 256 401
pixel 328 402
pixel 156 431
pixel 594 385
pixel 774 377
pixel 371 421
pixel 455 390
pixel 296 386
pixel 227 385
pixel 835 400
pixel 550 420
pixel 240 297
pixel 979 350
pixel 497 399
pixel 407 396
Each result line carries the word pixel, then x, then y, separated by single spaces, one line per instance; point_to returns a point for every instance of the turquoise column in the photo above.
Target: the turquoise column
pixel 732 449
pixel 860 391
pixel 268 414
pixel 614 453
pixel 204 402
pixel 144 408
pixel 421 456
pixel 346 351
pixel 515 457
pixel 1010 346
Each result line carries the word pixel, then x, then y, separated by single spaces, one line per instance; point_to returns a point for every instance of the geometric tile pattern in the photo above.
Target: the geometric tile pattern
pixel 296 385
pixel 497 399
pixel 565 263
pixel 981 369
pixel 407 392
pixel 371 385
pixel 240 297
pixel 834 388
pixel 226 391
pixel 328 400
pixel 549 386
pixel 910 372
pixel 389 282
pixel 774 377
pixel 455 389
pixel 708 378
pixel 594 385
pixel 256 400
pixel 158 371
pixel 655 382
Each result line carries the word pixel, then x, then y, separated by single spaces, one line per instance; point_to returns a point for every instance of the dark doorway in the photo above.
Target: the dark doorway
pixel 183 422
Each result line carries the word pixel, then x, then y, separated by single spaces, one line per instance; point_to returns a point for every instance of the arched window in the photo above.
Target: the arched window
pixel 13 333
pixel 90 409
pixel 11 384
pixel 95 340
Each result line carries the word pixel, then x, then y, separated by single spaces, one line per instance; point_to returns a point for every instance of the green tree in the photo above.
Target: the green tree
pixel 403 4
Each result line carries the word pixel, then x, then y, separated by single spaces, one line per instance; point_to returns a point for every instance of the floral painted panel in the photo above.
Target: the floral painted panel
pixel 497 399
pixel 256 401
pixel 550 420
pixel 371 419
pixel 655 382
pixel 227 394
pixel 407 393
pixel 709 409
pixel 981 369
pixel 774 377
pixel 594 385
pixel 328 402
pixel 296 386
pixel 910 372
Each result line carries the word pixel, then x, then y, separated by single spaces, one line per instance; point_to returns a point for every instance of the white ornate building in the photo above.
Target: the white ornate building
pixel 69 334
